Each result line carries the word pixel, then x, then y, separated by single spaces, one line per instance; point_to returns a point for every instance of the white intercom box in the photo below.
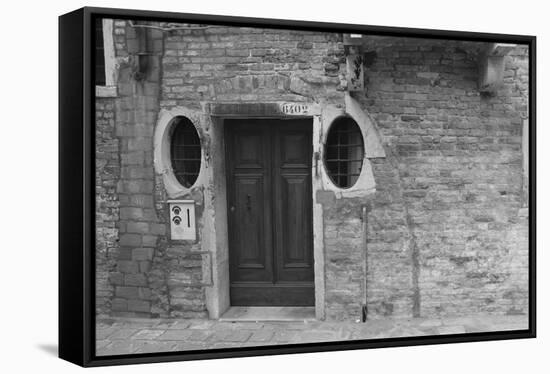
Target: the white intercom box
pixel 182 220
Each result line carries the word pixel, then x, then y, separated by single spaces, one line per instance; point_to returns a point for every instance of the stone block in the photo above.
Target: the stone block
pixel 139 306
pixel 144 266
pixel 158 229
pixel 137 172
pixel 131 213
pixel 145 201
pixel 116 279
pixel 125 266
pixel 140 144
pixel 149 240
pixel 138 186
pixel 130 240
pixel 132 158
pixel 137 227
pixel 127 292
pixel 138 279
pixel 125 253
pixel 119 305
pixel 149 215
pixel 411 118
pixel 144 293
pixel 142 254
pixel 238 52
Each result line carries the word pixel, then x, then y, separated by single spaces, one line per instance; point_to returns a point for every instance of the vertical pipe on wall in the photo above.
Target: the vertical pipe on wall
pixel 364 217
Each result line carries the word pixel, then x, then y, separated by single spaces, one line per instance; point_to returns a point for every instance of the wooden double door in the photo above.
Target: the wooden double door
pixel 268 167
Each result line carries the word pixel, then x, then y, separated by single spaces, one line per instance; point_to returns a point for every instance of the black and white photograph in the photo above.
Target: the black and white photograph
pixel 275 186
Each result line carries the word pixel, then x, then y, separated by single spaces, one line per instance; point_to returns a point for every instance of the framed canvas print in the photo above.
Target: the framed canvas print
pixel 234 186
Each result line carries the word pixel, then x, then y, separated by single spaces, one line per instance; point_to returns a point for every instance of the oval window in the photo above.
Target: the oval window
pixel 344 151
pixel 185 152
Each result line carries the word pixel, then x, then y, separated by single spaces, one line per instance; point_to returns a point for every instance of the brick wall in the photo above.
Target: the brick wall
pixel 107 204
pixel 239 65
pixel 246 64
pixel 447 234
pixel 136 109
pixel 107 176
pixel 344 257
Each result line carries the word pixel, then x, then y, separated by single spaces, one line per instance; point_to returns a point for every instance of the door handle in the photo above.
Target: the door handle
pixel 248 202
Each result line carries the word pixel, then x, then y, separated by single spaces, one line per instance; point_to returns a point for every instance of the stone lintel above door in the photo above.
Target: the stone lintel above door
pixel 265 109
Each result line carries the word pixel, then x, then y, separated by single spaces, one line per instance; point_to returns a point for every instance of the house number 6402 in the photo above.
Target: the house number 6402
pixel 295 109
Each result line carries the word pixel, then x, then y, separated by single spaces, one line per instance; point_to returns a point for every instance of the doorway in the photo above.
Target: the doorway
pixel 269 208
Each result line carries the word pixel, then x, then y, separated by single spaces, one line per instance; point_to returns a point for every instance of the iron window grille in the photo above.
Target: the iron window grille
pixel 344 152
pixel 185 152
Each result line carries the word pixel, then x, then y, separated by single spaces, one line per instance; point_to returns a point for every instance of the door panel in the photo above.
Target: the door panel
pixel 249 149
pixel 295 149
pixel 293 202
pixel 249 209
pixel 270 211
pixel 249 206
pixel 293 209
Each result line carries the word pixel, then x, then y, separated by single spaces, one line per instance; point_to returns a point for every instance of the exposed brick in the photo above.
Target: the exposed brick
pixel 130 240
pixel 107 205
pixel 116 279
pixel 150 240
pixel 137 227
pixel 119 305
pixel 142 254
pixel 135 280
pixel 125 266
pixel 158 229
pixel 130 213
pixel 139 306
pixel 144 266
pixel 127 292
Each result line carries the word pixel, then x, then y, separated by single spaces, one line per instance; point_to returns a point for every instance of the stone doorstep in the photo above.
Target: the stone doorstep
pixel 268 314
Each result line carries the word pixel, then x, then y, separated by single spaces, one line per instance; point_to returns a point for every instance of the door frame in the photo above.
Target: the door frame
pixel 271 213
pixel 216 228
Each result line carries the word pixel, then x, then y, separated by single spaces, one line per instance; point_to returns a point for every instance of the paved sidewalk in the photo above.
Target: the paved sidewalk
pixel 122 336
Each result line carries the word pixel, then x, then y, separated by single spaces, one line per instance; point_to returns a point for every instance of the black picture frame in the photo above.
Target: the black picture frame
pixel 77 198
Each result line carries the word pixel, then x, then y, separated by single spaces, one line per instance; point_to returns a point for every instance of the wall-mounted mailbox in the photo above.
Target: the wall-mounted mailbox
pixel 182 220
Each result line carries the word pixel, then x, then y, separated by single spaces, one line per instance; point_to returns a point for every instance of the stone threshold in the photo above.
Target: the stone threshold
pixel 268 314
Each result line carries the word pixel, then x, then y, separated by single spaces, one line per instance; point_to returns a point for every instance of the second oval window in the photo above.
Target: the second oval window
pixel 344 152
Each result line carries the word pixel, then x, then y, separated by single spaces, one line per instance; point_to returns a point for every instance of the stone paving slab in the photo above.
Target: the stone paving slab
pixel 117 336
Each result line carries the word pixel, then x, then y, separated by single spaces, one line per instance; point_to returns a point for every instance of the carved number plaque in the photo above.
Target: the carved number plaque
pixel 295 109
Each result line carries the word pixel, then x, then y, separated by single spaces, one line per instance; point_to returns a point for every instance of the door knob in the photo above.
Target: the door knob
pixel 232 208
